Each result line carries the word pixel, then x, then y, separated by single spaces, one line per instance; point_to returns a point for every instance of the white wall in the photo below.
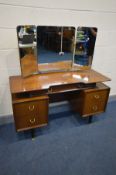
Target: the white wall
pixel 97 13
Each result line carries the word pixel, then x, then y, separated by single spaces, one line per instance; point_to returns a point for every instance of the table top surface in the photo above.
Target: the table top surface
pixel 44 81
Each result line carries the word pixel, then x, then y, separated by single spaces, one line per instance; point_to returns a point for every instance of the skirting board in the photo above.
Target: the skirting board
pixel 61 107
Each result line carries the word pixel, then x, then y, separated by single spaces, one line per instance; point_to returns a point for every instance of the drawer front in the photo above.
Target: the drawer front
pixel 95 102
pixel 30 114
pixel 96 96
pixel 62 88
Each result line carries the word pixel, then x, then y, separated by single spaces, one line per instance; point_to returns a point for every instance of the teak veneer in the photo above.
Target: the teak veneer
pixel 84 89
pixel 19 84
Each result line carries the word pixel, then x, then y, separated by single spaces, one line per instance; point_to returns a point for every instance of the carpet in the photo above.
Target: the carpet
pixel 67 146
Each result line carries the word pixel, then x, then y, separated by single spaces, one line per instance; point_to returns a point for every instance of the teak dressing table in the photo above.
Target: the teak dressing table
pixel 31 96
pixel 68 52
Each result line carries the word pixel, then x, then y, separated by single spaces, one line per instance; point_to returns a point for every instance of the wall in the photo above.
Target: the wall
pixel 101 14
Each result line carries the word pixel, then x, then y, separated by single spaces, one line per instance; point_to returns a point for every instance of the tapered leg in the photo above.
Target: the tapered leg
pixel 90 119
pixel 32 133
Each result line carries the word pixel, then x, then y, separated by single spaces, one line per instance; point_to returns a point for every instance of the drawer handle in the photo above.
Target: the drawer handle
pixel 96 96
pixel 32 120
pixel 50 90
pixel 95 108
pixel 31 108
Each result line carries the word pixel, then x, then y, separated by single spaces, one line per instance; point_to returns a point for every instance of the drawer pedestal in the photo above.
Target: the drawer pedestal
pixel 91 101
pixel 30 113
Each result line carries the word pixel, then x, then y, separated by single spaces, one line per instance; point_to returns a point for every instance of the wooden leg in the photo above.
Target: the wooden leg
pixel 32 133
pixel 90 119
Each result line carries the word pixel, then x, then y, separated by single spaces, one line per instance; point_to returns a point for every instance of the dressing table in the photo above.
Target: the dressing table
pixel 83 87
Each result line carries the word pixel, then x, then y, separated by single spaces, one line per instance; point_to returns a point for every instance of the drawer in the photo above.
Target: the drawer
pixel 95 101
pixel 68 87
pixel 96 96
pixel 62 88
pixel 30 114
pixel 91 101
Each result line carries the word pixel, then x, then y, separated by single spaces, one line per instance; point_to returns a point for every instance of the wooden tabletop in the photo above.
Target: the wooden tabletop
pixel 44 81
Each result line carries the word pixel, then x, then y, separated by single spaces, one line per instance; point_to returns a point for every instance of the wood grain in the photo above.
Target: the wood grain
pixel 45 81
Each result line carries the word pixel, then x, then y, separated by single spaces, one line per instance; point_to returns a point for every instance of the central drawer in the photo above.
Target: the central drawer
pixel 69 87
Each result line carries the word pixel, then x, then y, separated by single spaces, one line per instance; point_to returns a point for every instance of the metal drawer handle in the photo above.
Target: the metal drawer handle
pixel 50 90
pixel 32 120
pixel 31 108
pixel 96 96
pixel 95 108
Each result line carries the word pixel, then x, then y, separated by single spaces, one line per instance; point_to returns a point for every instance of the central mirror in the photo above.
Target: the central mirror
pixel 55 47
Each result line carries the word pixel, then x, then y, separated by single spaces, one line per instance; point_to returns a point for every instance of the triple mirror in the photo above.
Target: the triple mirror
pixel 54 48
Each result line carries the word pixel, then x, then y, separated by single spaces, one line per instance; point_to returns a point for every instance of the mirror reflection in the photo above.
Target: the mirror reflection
pixel 55 45
pixel 84 46
pixel 53 48
pixel 27 42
